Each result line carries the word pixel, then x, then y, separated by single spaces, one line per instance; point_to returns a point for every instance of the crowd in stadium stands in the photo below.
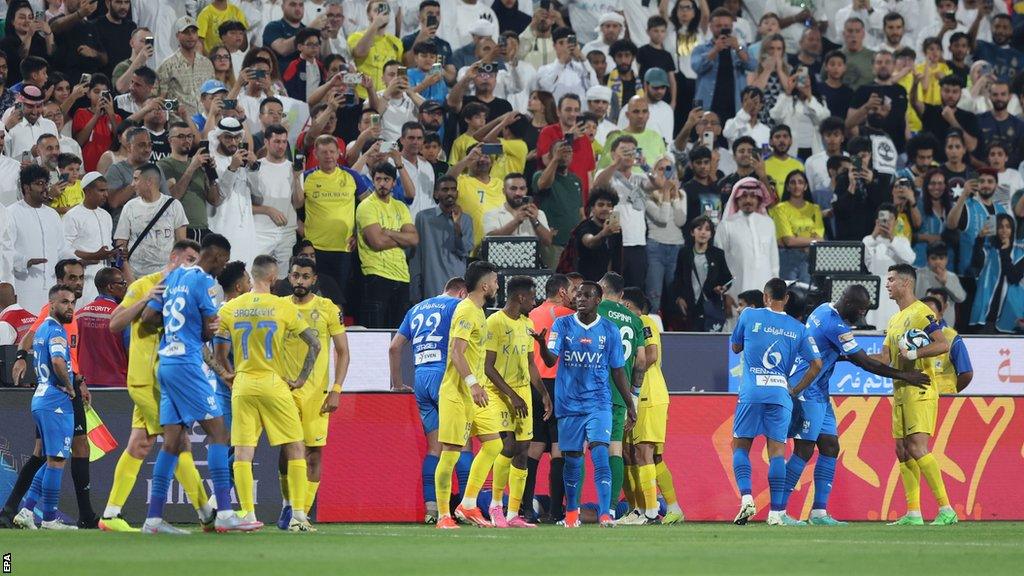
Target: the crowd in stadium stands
pixel 387 139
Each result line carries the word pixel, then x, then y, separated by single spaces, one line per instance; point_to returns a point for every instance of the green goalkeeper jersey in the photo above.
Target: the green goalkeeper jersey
pixel 631 328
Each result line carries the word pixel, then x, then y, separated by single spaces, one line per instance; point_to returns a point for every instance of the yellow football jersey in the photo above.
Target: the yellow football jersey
pixel 469 324
pixel 916 316
pixel 940 368
pixel 324 317
pixel 477 199
pixel 257 326
pixel 142 352
pixel 510 340
pixel 654 391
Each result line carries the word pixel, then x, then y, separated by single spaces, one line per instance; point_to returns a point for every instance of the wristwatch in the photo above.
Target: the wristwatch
pixel 535 223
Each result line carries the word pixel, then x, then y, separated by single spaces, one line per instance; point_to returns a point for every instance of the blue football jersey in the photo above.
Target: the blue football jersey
pixel 50 341
pixel 958 355
pixel 586 355
pixel 427 325
pixel 187 300
pixel 772 342
pixel 834 340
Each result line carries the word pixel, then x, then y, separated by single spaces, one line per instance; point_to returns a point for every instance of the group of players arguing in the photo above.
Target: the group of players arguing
pixel 268 368
pixel 473 378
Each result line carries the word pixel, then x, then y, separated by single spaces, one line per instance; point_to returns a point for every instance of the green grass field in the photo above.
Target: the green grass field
pixel 969 548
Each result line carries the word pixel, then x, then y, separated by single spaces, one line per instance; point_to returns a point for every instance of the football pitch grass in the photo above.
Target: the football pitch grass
pixel 861 548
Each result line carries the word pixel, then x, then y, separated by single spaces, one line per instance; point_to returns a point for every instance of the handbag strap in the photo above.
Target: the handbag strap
pixel 149 227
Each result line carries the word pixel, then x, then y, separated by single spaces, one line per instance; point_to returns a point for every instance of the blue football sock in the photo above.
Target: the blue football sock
pixel 777 481
pixel 429 465
pixel 573 466
pixel 220 473
pixel 163 470
pixel 824 473
pixel 602 476
pixel 741 470
pixel 35 491
pixel 794 468
pixel 51 492
pixel 462 468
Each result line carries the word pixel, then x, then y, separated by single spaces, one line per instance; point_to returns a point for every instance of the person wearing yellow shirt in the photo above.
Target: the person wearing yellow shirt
pixel 798 224
pixel 474 115
pixel 210 18
pixel 479 191
pixel 928 73
pixel 374 47
pixel 780 163
pixel 952 372
pixel 71 194
pixel 329 195
pixel 507 130
pixel 385 231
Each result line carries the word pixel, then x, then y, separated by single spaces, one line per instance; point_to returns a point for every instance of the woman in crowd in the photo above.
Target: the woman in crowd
pixel 798 224
pixel 772 75
pixel 222 69
pixel 935 204
pixel 687 29
pixel 666 215
pixel 956 168
pixel 701 279
pixel 998 263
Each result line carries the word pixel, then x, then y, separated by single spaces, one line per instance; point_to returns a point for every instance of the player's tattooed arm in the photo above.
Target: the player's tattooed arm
pixel 60 370
pixel 218 362
pixel 309 337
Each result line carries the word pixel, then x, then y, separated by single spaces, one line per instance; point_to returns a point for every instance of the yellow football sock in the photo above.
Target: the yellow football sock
pixel 190 480
pixel 311 488
pixel 629 486
pixel 500 480
pixel 482 464
pixel 244 486
pixel 933 476
pixel 443 480
pixel 665 483
pixel 125 474
pixel 282 480
pixel 648 486
pixel 516 487
pixel 910 473
pixel 297 484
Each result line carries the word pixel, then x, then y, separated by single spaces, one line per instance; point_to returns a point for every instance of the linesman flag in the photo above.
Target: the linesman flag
pixel 101 440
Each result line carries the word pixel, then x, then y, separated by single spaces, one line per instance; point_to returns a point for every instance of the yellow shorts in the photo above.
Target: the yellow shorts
pixel 494 418
pixel 314 424
pixel 651 422
pixel 914 416
pixel 455 415
pixel 522 426
pixel 259 403
pixel 146 413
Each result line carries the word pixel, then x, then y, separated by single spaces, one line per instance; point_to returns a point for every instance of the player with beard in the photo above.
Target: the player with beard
pixel 322 394
pixel 71 274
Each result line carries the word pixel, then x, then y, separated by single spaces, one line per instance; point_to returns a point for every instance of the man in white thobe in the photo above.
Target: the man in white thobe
pixel 747 236
pixel 233 219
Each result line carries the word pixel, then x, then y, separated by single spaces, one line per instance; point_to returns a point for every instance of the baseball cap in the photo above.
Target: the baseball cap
pixel 656 77
pixel 600 93
pixel 91 177
pixel 212 87
pixel 184 23
pixel 432 106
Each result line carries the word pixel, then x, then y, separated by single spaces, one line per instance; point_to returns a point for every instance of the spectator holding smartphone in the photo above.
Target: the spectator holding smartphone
pixel 721 65
pixel 975 208
pixel 94 126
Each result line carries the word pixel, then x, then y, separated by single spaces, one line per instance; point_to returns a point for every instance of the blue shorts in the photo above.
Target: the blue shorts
pixel 186 394
pixel 757 419
pixel 55 430
pixel 812 419
pixel 426 387
pixel 576 429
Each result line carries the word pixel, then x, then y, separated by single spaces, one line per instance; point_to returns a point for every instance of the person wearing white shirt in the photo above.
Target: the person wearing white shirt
pixel 420 172
pixel 894 34
pixel 792 19
pixel 746 122
pixel 458 16
pixel 632 190
pixel 233 218
pixel 333 34
pixel 612 26
pixel 355 17
pixel 883 249
pixel 584 15
pixel 803 113
pixel 637 13
pixel 24 127
pixel 747 236
pixel 159 16
pixel 147 253
pixel 662 118
pixel 518 216
pixel 832 132
pixel 598 103
pixel 6 245
pixel 37 239
pixel 567 74
pixel 10 191
pixel 274 218
pixel 67 144
pixel 396 104
pixel 258 13
pixel 88 231
pixel 943 27
pixel 870 13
